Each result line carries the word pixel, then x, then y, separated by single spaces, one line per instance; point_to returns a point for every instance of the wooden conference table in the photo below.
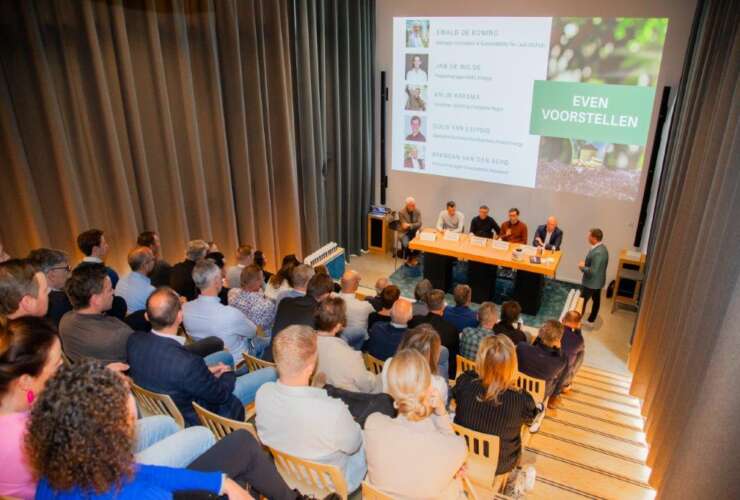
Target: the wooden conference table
pixel 483 260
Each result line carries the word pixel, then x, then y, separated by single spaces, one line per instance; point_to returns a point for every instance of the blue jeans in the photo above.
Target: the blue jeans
pixel 159 441
pixel 220 357
pixel 355 337
pixel 355 470
pixel 444 362
pixel 247 385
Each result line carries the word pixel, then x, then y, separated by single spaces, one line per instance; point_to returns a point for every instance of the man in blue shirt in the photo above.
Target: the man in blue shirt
pixel 461 315
pixel 136 286
pixel 385 336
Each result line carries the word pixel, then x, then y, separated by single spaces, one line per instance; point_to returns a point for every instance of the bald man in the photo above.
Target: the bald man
pixel 377 301
pixel 355 332
pixel 385 336
pixel 410 218
pixel 549 236
pixel 136 286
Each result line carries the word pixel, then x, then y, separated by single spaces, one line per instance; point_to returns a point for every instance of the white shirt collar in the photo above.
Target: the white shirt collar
pixel 91 258
pixel 177 339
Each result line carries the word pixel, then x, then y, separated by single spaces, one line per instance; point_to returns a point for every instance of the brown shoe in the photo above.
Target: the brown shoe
pixel 553 402
pixel 566 389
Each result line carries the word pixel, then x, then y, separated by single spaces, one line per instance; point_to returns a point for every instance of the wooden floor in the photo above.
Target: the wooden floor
pixel 593 445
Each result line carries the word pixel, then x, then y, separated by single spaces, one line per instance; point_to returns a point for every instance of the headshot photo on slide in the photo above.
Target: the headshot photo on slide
pixel 416 98
pixel 417 33
pixel 417 66
pixel 413 156
pixel 416 128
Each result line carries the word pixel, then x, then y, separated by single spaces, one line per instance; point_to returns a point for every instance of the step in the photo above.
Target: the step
pixel 545 489
pixel 608 395
pixel 591 377
pixel 588 481
pixel 604 386
pixel 627 449
pixel 597 402
pixel 598 425
pixel 579 408
pixel 606 373
pixel 608 463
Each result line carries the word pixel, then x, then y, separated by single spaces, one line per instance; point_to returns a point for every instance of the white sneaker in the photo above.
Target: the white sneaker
pixel 530 475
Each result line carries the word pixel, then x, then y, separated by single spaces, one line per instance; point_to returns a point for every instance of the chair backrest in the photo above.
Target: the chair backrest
pixel 370 492
pixel 222 426
pixel 254 364
pixel 66 360
pixel 483 452
pixel 372 363
pixel 153 403
pixel 534 386
pixel 464 364
pixel 310 478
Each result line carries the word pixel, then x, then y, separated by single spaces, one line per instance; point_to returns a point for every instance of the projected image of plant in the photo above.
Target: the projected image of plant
pixel 617 51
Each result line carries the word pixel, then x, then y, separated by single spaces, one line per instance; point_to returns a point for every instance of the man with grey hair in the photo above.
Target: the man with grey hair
pixel 207 317
pixel 377 300
pixel 410 218
pixel 136 286
pixel 301 275
pixel 181 276
pixel 355 332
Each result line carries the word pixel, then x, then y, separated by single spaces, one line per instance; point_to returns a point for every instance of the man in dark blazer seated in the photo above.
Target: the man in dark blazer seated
pixel 159 363
pixel 549 236
pixel 448 333
pixel 300 310
pixel 544 359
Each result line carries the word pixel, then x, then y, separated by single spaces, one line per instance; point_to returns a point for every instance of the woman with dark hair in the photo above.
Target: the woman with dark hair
pixel 509 324
pixel 260 261
pixel 388 297
pixel 80 444
pixel 282 280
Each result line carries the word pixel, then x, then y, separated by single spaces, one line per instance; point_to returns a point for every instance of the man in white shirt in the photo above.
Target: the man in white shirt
pixel 243 259
pixel 301 275
pixel 416 74
pixel 136 286
pixel 358 311
pixel 207 317
pixel 451 219
pixel 305 421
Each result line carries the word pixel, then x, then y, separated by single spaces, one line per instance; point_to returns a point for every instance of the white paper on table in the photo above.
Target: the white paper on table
pixel 427 236
pixel 499 245
pixel 450 236
pixel 633 255
pixel 478 241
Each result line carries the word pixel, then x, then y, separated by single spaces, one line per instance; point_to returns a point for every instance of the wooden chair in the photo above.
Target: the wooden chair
pixel 153 403
pixel 483 450
pixel 370 492
pixel 67 362
pixel 310 478
pixel 372 363
pixel 464 364
pixel 222 426
pixel 534 386
pixel 255 364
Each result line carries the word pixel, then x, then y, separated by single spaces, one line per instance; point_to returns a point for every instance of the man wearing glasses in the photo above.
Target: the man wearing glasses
pixel 55 266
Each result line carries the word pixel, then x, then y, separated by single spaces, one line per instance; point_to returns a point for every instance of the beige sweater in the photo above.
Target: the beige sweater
pixel 344 367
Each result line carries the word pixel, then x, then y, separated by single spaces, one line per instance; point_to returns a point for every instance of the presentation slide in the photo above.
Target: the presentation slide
pixel 557 103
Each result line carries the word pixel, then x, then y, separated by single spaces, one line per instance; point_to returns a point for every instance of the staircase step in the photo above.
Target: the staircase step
pixel 575 453
pixel 581 381
pixel 592 377
pixel 628 449
pixel 597 402
pixel 545 489
pixel 606 373
pixel 608 395
pixel 597 425
pixel 580 408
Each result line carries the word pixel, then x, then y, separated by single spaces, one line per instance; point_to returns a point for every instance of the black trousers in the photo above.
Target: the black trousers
pixel 595 295
pixel 361 405
pixel 240 457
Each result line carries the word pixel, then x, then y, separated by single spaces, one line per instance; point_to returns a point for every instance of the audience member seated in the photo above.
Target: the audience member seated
pixel 358 310
pixel 160 275
pixel 219 259
pixel 160 363
pixel 388 297
pixel 450 219
pixel 514 230
pixel 416 454
pixel 23 290
pixel 30 354
pixel 509 324
pixel 549 236
pixel 86 331
pixel 300 275
pixel 489 402
pixel 448 332
pixel 471 337
pixel 251 301
pixel 376 300
pixel 55 266
pixel 181 275
pixel 243 259
pixel 461 315
pixel 421 290
pixel 322 269
pixel 260 261
pixel 300 310
pixel 80 437
pixel 136 286
pixel 305 421
pixel 543 359
pixel 283 279
pixel 206 316
pixel 342 365
pixel 385 336
pixel 93 245
pixel 572 346
pixel 425 340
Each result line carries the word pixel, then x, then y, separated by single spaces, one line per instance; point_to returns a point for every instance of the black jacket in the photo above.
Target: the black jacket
pixel 448 333
pixel 181 279
pixel 292 311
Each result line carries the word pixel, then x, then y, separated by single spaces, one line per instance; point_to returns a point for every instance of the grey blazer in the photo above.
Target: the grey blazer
pixel 594 272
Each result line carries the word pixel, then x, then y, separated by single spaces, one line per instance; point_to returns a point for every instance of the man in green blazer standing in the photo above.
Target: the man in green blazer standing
pixel 594 273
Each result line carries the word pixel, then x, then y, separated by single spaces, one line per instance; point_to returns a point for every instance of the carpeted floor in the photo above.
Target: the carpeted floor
pixel 553 296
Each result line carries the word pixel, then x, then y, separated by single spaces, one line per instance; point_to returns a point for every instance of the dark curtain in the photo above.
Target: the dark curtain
pixel 686 354
pixel 178 116
pixel 334 61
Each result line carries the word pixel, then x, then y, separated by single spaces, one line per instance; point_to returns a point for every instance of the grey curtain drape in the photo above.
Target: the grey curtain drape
pixel 178 116
pixel 686 354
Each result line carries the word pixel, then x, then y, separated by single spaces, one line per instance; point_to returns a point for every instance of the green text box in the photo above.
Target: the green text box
pixel 617 114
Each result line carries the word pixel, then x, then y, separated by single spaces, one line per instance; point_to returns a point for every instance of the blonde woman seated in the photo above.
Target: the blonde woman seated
pixel 343 366
pixel 416 454
pixel 489 402
pixel 424 339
